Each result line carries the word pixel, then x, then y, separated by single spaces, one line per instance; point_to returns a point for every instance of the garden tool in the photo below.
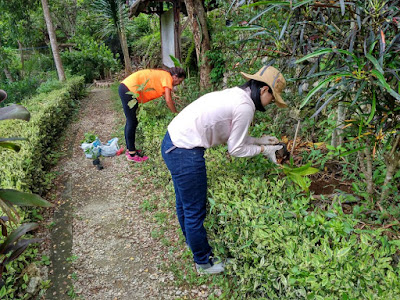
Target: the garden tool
pixel 97 163
pixel 282 154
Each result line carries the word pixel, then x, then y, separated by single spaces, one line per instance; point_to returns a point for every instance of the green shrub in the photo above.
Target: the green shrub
pixel 19 90
pixel 50 85
pixel 284 247
pixel 26 170
pixel 91 60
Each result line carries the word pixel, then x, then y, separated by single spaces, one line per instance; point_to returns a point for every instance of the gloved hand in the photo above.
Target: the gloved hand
pixel 269 151
pixel 266 140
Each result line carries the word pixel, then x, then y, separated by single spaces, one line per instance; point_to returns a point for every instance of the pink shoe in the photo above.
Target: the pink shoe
pixel 136 158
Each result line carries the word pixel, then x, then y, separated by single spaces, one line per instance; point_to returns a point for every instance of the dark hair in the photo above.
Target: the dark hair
pixel 255 87
pixel 179 72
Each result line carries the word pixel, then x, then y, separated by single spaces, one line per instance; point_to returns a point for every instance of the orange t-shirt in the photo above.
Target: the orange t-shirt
pixel 157 81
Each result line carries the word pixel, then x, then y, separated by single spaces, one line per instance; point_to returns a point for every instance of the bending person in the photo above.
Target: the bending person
pixel 145 85
pixel 213 119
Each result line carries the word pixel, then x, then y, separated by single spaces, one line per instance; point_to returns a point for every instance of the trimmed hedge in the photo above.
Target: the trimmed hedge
pixel 26 170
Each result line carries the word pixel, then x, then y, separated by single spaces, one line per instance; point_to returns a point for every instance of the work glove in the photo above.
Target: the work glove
pixel 269 151
pixel 264 140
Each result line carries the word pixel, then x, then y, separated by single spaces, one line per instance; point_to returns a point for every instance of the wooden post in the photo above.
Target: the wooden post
pixel 177 29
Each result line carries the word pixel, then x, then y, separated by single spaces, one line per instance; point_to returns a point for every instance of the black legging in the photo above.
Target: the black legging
pixel 130 114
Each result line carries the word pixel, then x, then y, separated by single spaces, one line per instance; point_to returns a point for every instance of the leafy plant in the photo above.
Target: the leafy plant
pixel 12 247
pixel 139 88
pixel 90 137
pixel 91 59
pixel 347 53
pixel 298 174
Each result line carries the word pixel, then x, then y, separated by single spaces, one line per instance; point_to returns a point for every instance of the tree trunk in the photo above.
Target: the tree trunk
pixel 8 75
pixel 337 138
pixel 53 41
pixel 198 19
pixel 125 51
pixel 392 161
pixel 122 40
pixel 21 53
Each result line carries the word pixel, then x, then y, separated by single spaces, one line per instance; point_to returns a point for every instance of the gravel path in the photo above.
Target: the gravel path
pixel 106 239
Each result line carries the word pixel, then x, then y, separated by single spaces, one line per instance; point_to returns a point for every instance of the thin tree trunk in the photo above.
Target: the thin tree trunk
pixel 125 51
pixel 337 138
pixel 21 53
pixel 53 41
pixel 198 20
pixel 8 75
pixel 392 161
pixel 122 40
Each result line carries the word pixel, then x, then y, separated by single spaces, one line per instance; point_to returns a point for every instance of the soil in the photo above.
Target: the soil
pixel 101 245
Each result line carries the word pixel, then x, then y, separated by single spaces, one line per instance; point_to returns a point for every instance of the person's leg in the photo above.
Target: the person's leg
pixel 192 186
pixel 188 170
pixel 165 146
pixel 131 119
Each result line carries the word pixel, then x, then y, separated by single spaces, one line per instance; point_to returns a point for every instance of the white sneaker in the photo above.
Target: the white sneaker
pixel 213 267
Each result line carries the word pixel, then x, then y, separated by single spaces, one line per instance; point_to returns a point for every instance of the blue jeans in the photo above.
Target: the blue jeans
pixel 188 171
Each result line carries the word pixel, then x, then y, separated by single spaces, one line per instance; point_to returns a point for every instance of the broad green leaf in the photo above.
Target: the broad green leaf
pixel 261 13
pixel 301 3
pixel 321 85
pixel 325 51
pixel 373 108
pixel 14 111
pixel 360 90
pixel 351 151
pixel 314 54
pixel 285 26
pixel 374 62
pixel 23 199
pixel 18 249
pixel 287 3
pixel 16 234
pixel 395 242
pixel 384 84
pixel 302 171
pixel 343 252
pixel 176 61
pixel 10 146
pixel 132 103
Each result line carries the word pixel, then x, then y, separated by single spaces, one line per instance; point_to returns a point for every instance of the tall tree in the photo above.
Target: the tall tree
pixel 53 41
pixel 198 20
pixel 113 16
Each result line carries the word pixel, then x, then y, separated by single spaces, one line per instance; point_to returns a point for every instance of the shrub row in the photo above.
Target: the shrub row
pixel 26 170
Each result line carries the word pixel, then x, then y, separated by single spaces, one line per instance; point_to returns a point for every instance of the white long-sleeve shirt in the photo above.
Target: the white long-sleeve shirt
pixel 217 118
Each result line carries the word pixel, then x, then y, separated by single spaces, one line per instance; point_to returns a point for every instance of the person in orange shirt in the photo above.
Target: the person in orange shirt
pixel 145 85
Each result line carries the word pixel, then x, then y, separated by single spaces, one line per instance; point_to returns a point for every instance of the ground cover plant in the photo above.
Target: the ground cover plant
pixel 286 242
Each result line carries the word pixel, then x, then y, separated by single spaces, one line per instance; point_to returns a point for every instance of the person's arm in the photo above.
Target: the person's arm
pixel 168 99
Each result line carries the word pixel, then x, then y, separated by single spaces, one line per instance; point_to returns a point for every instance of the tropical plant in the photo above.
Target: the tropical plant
pixel 113 14
pixel 348 52
pixel 12 246
pixel 90 59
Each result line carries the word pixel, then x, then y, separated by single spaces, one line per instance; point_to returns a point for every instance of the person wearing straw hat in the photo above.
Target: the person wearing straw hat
pixel 213 119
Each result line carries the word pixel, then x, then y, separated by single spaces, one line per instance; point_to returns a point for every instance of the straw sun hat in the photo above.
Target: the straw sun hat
pixel 274 79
